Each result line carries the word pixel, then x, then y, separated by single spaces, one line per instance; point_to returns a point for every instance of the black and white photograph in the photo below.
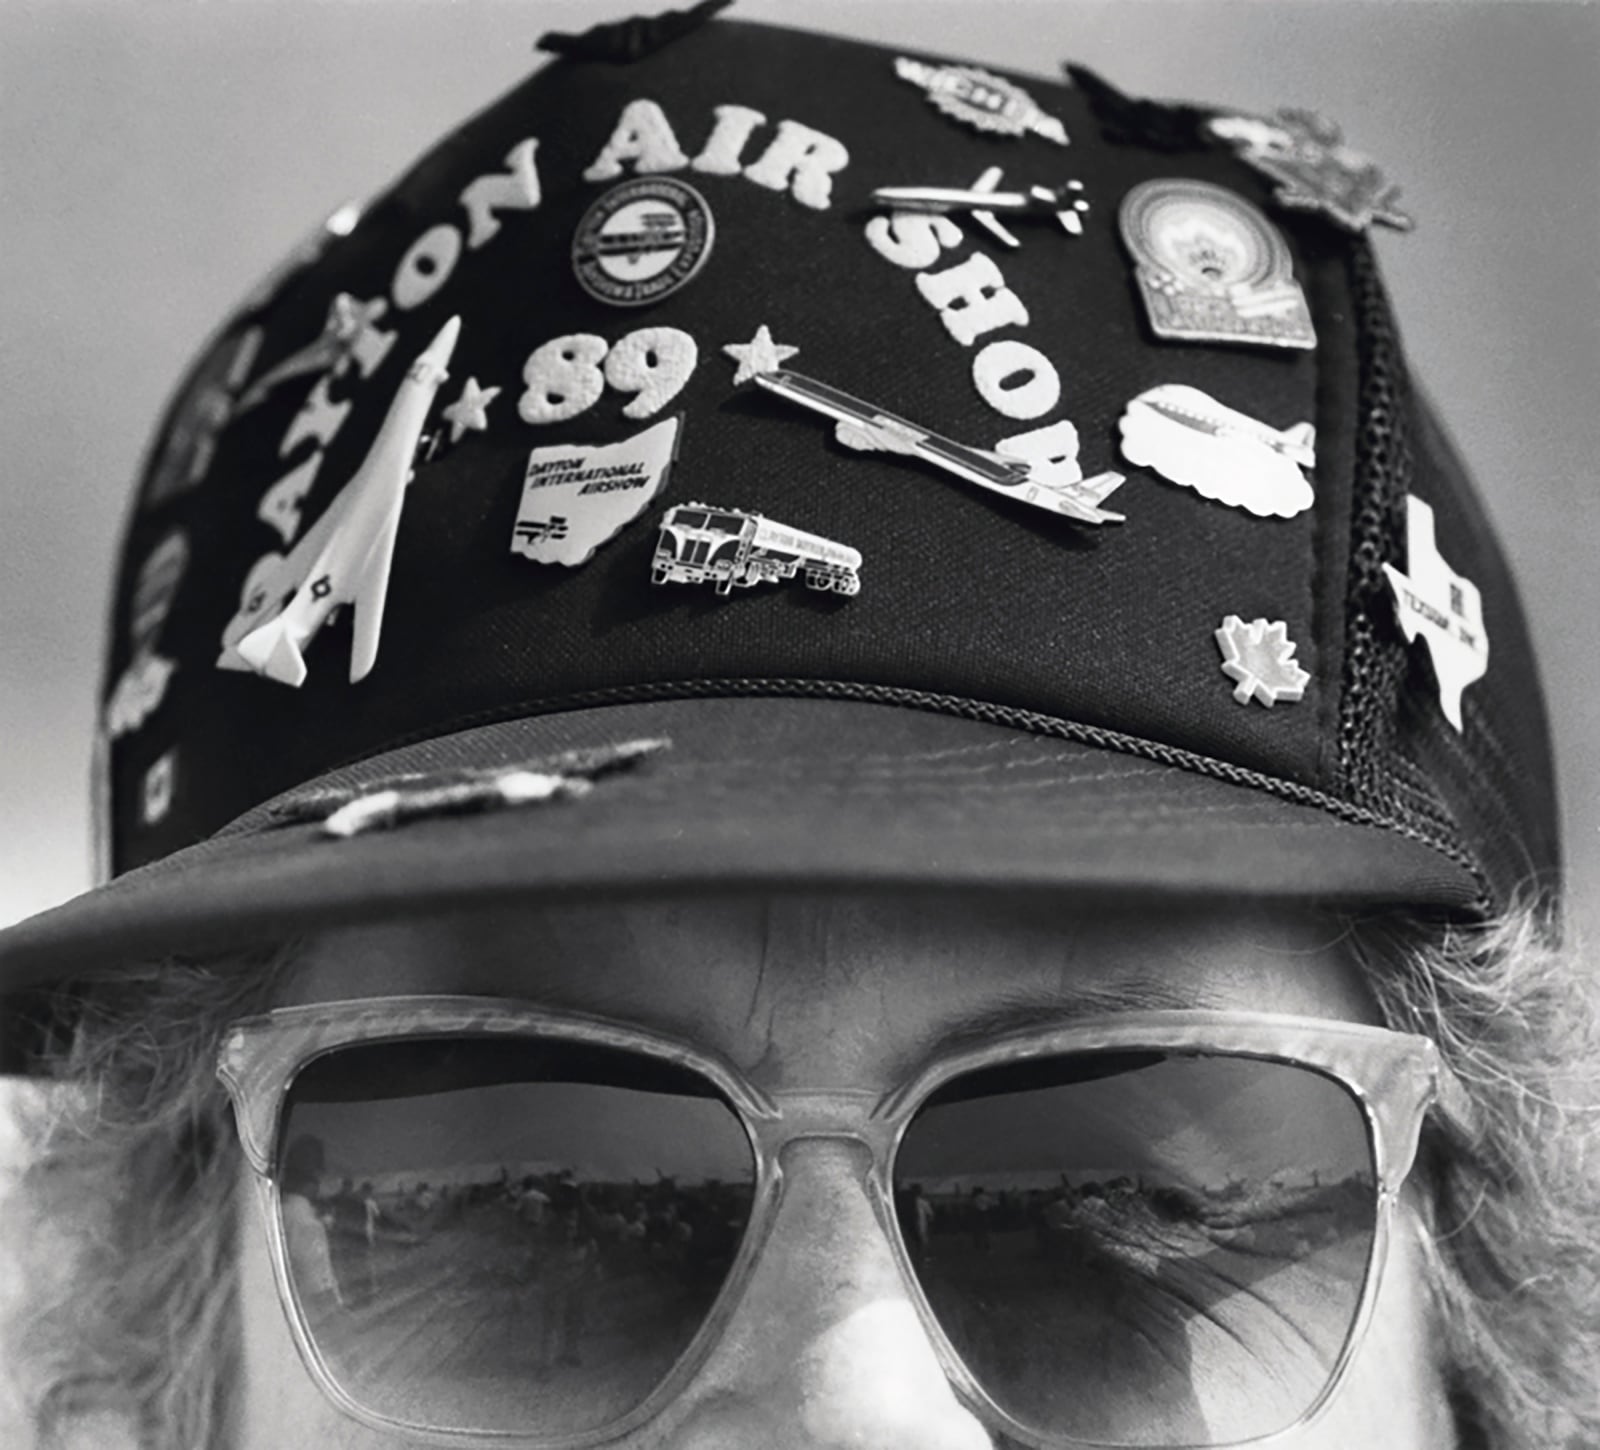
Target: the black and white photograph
pixel 799 725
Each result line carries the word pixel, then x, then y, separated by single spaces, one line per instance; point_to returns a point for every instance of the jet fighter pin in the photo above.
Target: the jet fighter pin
pixel 350 333
pixel 345 557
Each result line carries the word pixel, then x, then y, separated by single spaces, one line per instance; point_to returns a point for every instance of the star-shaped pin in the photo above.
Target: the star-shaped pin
pixel 470 410
pixel 760 355
pixel 1260 656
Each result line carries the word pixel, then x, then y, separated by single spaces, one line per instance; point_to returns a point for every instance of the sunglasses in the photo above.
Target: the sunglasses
pixel 494 1223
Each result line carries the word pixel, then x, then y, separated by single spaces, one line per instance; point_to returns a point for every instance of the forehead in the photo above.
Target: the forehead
pixel 845 986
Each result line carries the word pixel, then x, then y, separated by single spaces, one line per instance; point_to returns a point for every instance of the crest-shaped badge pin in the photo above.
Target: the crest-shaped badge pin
pixel 575 496
pixel 981 100
pixel 1211 267
pixel 1315 171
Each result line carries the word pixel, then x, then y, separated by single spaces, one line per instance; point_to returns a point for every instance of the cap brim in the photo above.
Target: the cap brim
pixel 752 793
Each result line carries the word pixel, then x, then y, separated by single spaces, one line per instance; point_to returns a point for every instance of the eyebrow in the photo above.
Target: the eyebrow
pixel 1022 1007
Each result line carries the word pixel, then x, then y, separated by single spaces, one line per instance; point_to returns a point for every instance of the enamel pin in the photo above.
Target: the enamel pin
pixel 983 199
pixel 1057 487
pixel 1211 267
pixel 731 548
pixel 981 100
pixel 1445 609
pixel 1260 657
pixel 1191 439
pixel 575 497
pixel 642 240
pixel 345 557
pixel 1314 170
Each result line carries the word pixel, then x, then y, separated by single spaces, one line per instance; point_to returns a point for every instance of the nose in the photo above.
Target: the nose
pixel 824 1349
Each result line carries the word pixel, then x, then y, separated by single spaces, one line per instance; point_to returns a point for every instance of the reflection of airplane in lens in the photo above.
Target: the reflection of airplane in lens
pixel 344 558
pixel 1054 486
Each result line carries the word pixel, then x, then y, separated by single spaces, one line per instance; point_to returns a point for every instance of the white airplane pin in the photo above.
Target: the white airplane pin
pixel 345 557
pixel 862 426
pixel 1189 437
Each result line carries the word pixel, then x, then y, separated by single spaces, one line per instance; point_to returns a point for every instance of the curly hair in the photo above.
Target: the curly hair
pixel 1515 1207
pixel 131 1188
pixel 145 1319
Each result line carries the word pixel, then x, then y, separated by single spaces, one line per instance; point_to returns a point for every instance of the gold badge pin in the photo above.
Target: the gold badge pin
pixel 1212 268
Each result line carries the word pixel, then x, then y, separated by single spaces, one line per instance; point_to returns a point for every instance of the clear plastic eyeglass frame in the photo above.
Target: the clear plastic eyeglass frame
pixel 1394 1078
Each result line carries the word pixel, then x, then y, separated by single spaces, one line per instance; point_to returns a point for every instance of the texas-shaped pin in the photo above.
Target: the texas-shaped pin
pixel 1433 601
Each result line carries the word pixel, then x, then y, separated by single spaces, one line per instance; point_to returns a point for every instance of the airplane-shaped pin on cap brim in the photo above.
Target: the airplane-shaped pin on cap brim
pixel 862 426
pixel 345 558
pixel 982 200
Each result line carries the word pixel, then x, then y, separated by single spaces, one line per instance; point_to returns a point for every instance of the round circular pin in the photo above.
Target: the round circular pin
pixel 642 240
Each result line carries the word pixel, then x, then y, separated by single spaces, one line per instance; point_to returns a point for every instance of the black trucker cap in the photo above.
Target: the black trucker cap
pixel 741 456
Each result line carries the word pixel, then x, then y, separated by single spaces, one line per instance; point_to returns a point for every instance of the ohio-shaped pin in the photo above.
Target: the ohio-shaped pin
pixel 576 496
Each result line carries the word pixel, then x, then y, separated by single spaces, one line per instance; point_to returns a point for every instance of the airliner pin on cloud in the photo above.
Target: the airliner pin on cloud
pixel 345 557
pixel 862 426
pixel 1187 436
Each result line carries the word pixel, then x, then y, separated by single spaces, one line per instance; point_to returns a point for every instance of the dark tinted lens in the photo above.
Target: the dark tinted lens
pixel 1140 1248
pixel 511 1235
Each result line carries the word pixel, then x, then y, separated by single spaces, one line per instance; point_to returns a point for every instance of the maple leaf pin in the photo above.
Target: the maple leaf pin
pixel 1260 656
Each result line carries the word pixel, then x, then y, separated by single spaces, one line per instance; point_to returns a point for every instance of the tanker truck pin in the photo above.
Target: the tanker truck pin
pixel 731 548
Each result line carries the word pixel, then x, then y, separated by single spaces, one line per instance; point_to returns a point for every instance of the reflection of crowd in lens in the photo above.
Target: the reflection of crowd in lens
pixel 551 1238
pixel 574 1266
pixel 1072 1219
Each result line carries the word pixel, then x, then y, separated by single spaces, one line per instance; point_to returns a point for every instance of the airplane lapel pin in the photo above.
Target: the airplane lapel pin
pixel 1057 487
pixel 983 199
pixel 345 557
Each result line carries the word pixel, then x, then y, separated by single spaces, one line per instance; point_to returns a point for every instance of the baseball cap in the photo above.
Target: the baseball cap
pixel 742 456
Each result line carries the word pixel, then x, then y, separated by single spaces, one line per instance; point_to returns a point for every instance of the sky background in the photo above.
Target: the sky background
pixel 157 158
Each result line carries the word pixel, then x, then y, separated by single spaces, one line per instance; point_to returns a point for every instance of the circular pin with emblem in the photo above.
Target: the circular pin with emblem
pixel 1211 267
pixel 642 240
